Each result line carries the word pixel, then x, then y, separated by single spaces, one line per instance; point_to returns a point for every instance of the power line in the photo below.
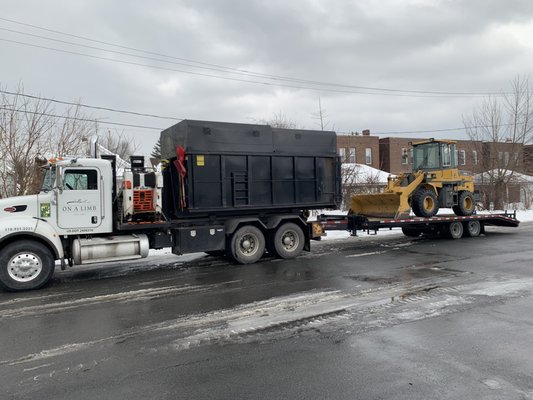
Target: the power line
pixel 89 106
pixel 80 119
pixel 217 76
pixel 225 69
pixel 462 129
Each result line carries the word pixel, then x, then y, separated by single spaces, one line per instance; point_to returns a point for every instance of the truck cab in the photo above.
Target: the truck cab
pixel 76 196
pixel 35 230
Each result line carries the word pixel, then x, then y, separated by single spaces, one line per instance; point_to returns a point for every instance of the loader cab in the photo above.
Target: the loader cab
pixel 434 155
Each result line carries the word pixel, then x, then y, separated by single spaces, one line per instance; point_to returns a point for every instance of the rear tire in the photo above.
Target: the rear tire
pixel 455 230
pixel 424 203
pixel 465 204
pixel 288 241
pixel 25 265
pixel 247 245
pixel 472 228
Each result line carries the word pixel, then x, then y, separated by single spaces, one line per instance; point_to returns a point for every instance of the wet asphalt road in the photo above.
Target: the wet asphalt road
pixel 383 317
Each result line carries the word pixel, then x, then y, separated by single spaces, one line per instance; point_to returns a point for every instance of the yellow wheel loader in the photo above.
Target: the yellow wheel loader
pixel 435 182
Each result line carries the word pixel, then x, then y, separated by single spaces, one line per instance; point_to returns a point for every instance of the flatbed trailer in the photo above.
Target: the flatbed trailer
pixel 451 226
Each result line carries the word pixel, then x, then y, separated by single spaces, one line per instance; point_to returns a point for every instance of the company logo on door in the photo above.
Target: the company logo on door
pixel 78 206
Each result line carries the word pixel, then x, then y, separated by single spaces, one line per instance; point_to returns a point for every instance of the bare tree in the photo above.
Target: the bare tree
pixel 71 133
pixel 24 126
pixel 118 143
pixel 30 132
pixel 500 127
pixel 279 120
pixel 322 116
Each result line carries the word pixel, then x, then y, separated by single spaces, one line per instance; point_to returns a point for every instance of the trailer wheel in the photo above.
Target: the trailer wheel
pixel 247 245
pixel 25 265
pixel 465 204
pixel 473 228
pixel 424 203
pixel 411 232
pixel 288 241
pixel 455 230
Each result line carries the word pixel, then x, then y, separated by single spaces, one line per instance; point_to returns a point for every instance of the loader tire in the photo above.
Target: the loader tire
pixel 424 203
pixel 465 204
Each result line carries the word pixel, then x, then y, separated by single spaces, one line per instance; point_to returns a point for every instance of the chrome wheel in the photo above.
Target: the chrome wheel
pixel 24 267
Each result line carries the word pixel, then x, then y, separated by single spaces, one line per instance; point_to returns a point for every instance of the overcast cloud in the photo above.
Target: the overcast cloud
pixel 418 45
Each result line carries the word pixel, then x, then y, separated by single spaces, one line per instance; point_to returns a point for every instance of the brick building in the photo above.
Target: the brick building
pixel 396 155
pixel 359 148
pixel 527 152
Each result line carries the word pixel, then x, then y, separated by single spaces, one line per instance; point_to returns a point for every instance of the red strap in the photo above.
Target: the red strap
pixel 180 161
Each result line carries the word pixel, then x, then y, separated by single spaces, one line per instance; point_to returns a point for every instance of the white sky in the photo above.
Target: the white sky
pixel 453 46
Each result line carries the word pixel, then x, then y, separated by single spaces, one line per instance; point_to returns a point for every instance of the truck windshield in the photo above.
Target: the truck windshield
pixel 49 178
pixel 426 156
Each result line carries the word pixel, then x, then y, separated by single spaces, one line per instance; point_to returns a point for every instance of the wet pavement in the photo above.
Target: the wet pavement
pixel 381 317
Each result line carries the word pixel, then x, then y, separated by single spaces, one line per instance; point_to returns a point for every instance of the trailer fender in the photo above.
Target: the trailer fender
pixel 274 222
pixel 230 226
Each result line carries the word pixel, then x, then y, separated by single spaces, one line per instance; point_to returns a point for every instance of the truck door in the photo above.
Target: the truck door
pixel 80 202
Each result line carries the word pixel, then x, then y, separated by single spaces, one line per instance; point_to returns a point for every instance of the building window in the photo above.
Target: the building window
pixel 368 155
pixel 462 157
pixel 500 157
pixel 474 157
pixel 342 154
pixel 405 156
pixel 506 158
pixel 353 158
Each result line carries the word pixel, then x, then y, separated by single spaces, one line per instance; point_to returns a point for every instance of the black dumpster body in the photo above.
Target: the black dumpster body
pixel 246 168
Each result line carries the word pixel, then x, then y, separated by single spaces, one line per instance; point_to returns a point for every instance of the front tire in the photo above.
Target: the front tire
pixel 25 265
pixel 424 203
pixel 247 245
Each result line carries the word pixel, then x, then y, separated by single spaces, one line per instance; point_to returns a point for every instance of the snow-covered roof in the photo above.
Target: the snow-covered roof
pixel 517 177
pixel 365 173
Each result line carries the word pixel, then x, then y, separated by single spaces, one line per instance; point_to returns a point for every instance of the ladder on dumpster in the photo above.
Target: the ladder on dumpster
pixel 241 193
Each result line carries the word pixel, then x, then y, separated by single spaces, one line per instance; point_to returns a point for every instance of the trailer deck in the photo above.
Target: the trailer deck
pixel 416 225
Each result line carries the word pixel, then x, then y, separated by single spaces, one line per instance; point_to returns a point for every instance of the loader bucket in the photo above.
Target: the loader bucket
pixel 382 205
